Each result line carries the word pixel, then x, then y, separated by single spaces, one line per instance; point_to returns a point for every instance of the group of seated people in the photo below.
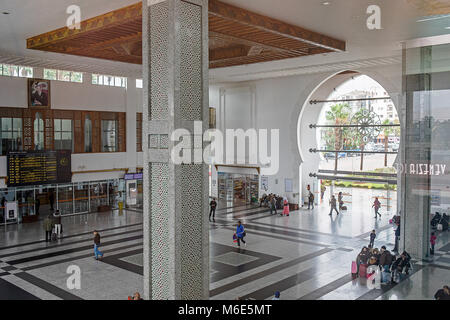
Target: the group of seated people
pixel 266 200
pixel 390 266
pixel 439 219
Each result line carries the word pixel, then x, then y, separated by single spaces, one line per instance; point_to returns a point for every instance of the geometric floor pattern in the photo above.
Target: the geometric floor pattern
pixel 304 256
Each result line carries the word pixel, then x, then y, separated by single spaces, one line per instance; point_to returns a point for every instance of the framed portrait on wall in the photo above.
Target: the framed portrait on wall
pixel 39 93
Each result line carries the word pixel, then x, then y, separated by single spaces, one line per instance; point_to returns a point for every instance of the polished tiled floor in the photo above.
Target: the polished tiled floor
pixel 304 256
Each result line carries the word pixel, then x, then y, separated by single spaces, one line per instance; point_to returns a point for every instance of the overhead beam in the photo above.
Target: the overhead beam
pixel 107 20
pixel 251 43
pixel 227 53
pixel 248 18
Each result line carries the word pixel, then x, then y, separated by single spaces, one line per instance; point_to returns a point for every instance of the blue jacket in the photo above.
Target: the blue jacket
pixel 240 231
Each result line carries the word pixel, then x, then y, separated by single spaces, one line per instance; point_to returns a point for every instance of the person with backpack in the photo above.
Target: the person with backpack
pixel 310 200
pixel 213 205
pixel 376 205
pixel 97 252
pixel 240 234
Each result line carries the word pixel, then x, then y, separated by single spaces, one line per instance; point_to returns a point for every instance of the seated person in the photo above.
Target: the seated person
pixel 386 275
pixel 443 294
pixel 362 257
pixel 400 264
pixel 386 258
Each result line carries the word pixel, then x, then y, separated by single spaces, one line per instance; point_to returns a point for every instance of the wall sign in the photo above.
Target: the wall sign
pixel 422 169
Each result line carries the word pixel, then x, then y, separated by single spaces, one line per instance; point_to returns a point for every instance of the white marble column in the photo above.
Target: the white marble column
pixel 175 69
pixel 131 116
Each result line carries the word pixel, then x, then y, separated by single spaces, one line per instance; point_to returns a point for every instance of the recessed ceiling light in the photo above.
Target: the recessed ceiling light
pixel 448 28
pixel 326 3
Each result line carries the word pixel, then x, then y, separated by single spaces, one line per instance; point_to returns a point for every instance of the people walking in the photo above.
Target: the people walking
pixel 48 227
pixel 432 243
pixel 373 235
pixel 286 208
pixel 58 225
pixel 376 205
pixel 213 205
pixel 97 252
pixel 333 205
pixel 240 233
pixel 310 200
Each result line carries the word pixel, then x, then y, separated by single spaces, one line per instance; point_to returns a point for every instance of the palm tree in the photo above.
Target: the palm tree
pixel 338 115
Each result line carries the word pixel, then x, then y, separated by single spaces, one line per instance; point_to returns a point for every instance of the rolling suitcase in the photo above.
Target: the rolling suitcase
pixel 363 270
pixel 354 270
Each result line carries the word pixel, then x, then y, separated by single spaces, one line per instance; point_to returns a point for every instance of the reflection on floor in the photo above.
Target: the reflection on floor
pixel 304 256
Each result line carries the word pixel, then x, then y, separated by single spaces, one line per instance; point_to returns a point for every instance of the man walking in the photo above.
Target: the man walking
pixel 48 226
pixel 240 233
pixel 213 205
pixel 273 205
pixel 97 252
pixel 333 205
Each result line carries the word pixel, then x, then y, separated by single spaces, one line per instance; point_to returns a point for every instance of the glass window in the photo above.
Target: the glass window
pixel 50 74
pixel 77 77
pixel 11 135
pixel 109 136
pixel 139 83
pixel 26 72
pixel 38 132
pixel 95 78
pixel 63 75
pixel 63 134
pixel 87 134
pixel 118 82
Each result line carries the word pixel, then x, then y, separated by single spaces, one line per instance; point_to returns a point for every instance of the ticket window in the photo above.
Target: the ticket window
pixel 132 192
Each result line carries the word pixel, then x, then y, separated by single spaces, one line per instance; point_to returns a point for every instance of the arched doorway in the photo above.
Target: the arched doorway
pixel 349 136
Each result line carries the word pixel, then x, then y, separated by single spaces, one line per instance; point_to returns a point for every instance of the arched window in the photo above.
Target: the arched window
pixel 87 134
pixel 38 132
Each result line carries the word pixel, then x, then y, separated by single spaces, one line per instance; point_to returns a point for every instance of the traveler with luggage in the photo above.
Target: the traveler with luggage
pixel 386 258
pixel 240 234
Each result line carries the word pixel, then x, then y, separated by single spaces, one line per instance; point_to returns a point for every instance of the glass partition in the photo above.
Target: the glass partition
pixel 65 199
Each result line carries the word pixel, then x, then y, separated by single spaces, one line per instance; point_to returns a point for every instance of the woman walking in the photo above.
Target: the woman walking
pixel 286 208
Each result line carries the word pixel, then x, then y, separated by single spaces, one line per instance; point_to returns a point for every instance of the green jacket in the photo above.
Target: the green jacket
pixel 48 224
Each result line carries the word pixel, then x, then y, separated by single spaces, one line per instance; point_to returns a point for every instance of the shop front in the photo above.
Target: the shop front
pixel 32 203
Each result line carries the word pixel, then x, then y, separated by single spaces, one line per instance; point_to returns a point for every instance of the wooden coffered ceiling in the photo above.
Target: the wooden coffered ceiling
pixel 236 37
pixel 432 7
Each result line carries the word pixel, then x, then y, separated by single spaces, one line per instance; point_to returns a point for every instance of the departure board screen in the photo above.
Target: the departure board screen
pixel 27 168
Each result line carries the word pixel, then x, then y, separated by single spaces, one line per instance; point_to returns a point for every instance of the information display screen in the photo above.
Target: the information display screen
pixel 38 168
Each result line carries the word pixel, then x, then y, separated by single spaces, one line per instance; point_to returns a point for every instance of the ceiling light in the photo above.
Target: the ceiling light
pixel 326 3
pixel 448 28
